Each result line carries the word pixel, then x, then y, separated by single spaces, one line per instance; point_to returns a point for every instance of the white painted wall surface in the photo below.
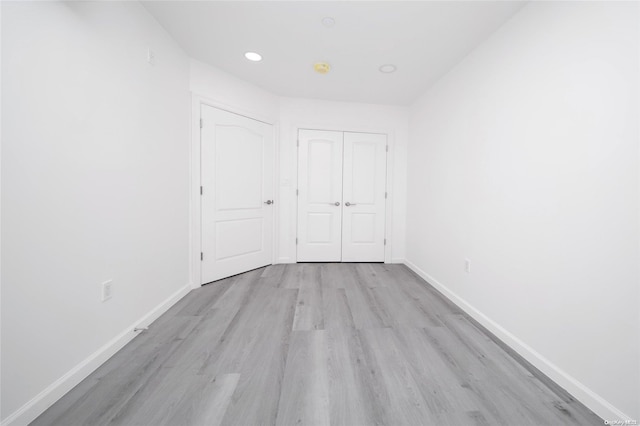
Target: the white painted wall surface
pixel 94 183
pixel 232 93
pixel 327 115
pixel 524 159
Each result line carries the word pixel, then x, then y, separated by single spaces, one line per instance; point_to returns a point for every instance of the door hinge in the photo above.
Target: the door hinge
pixel 385 241
pixel 201 256
pixel 201 123
pixel 296 240
pixel 297 192
pixel 385 194
pixel 298 143
pixel 201 191
pixel 387 148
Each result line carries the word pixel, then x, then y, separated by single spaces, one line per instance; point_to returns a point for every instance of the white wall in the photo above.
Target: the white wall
pixel 94 186
pixel 317 114
pixel 231 93
pixel 524 159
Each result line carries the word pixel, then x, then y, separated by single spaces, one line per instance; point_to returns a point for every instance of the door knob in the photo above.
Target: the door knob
pixel 349 204
pixel 269 202
pixel 337 203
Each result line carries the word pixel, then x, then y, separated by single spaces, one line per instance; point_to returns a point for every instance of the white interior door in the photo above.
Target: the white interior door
pixel 237 194
pixel 319 196
pixel 363 215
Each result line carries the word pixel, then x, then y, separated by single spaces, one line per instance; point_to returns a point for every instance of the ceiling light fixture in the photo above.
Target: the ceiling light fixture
pixel 321 67
pixel 253 56
pixel 387 68
pixel 328 21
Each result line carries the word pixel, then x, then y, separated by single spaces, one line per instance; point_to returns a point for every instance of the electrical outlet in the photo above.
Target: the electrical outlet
pixel 107 290
pixel 467 266
pixel 151 57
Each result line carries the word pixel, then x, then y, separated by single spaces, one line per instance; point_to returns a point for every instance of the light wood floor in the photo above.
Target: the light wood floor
pixel 307 344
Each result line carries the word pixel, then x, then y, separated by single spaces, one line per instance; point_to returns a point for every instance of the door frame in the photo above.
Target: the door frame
pixel 390 133
pixel 195 205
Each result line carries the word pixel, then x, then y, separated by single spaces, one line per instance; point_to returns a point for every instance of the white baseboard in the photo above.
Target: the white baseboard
pixel 36 406
pixel 586 396
pixel 290 260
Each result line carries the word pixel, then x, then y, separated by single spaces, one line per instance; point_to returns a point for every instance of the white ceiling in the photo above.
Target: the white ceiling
pixel 424 39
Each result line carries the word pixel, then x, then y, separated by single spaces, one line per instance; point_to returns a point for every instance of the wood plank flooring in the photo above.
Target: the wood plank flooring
pixel 316 344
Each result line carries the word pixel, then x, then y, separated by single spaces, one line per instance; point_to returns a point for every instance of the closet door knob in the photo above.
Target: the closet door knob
pixel 268 202
pixel 349 204
pixel 337 203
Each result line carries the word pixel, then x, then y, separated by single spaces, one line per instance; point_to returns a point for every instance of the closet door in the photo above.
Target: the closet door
pixel 237 157
pixel 319 196
pixel 363 216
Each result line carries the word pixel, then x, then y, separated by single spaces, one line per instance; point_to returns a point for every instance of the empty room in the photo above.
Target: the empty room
pixel 320 212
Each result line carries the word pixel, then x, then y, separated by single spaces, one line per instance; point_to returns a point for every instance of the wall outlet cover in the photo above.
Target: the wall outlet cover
pixel 107 290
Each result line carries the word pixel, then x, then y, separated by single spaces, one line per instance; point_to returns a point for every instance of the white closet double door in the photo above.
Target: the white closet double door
pixel 341 196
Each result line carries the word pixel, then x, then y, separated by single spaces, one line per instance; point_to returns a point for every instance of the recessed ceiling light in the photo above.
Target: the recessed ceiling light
pixel 387 68
pixel 253 56
pixel 328 21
